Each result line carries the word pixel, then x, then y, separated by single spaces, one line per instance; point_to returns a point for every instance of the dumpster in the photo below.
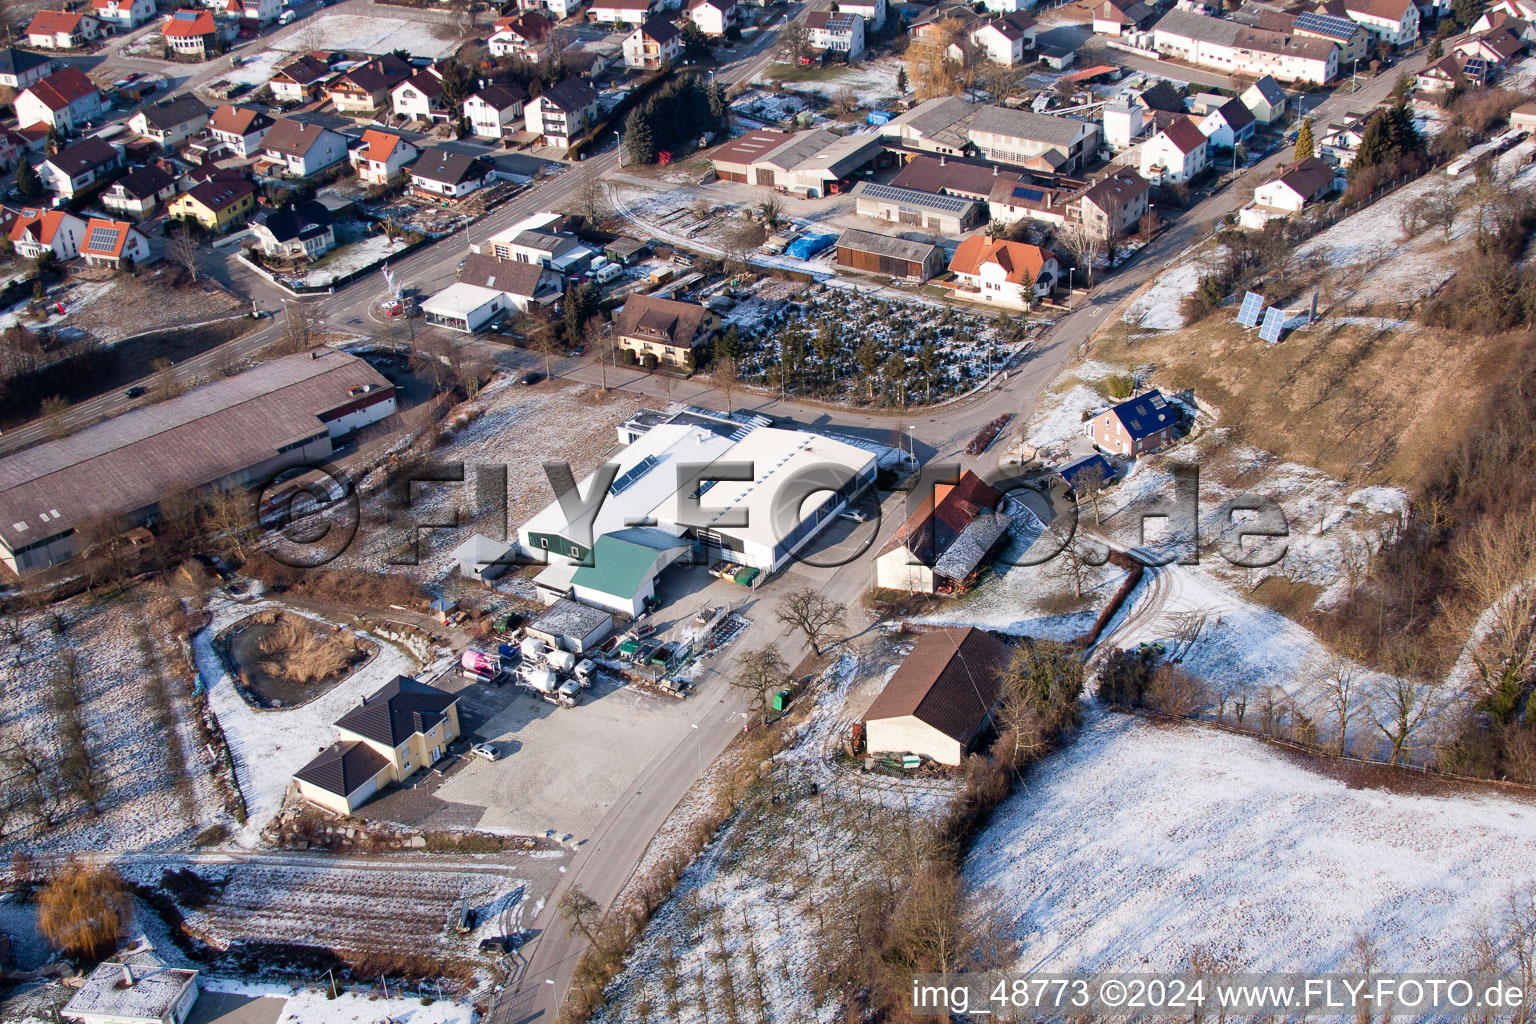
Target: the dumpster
pixel 781 700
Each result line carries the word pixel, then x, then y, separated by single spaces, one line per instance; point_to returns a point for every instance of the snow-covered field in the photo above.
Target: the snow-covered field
pixel 345 260
pixel 1138 846
pixel 1157 308
pixel 351 33
pixel 870 82
pixel 269 746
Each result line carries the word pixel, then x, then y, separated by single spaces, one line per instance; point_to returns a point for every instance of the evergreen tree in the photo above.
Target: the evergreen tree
pixel 639 139
pixel 27 182
pixel 1389 136
pixel 695 43
pixel 1466 12
pixel 1305 147
pixel 54 141
pixel 1436 49
pixel 728 345
pixel 901 80
pixel 719 107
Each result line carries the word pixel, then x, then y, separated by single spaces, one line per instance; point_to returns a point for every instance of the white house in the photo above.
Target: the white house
pixel 521 34
pixel 712 16
pixel 62 30
pixel 1229 125
pixel 123 14
pixel 561 112
pixel 171 122
pixel 1176 154
pixel 838 33
pixel 1000 273
pixel 1006 39
pixel 77 167
pixel 64 100
pixel 240 128
pixel 302 149
pixel 523 284
pixel 255 13
pixel 872 11
pixel 1266 100
pixel 382 157
pixel 1289 192
pixel 36 231
pixel 21 69
pixel 496 111
pixel 295 232
pixel 1390 21
pixel 449 175
pixel 139 192
pixel 113 243
pixel 420 97
pixel 653 44
pixel 621 12
pixel 1238 49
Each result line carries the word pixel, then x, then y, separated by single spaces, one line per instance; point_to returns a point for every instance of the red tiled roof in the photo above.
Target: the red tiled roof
pixel 63 87
pixel 189 25
pixel 47 23
pixel 1022 261
pixel 105 237
pixel 41 225
pixel 1185 135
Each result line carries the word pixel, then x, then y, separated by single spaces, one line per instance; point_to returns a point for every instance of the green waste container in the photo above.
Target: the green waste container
pixel 781 700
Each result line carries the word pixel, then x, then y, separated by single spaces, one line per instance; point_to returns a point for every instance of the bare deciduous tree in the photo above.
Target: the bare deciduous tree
pixel 182 249
pixel 1342 689
pixel 812 614
pixel 581 913
pixel 1405 699
pixel 760 672
pixel 724 376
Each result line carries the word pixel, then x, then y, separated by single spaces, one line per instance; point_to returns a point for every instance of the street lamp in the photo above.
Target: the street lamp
pixel 1070 272
pixel 700 746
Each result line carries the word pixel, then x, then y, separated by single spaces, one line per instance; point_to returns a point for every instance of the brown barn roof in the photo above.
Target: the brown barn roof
pixel 949 681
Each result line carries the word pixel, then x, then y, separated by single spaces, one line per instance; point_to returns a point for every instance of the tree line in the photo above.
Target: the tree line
pixel 683 109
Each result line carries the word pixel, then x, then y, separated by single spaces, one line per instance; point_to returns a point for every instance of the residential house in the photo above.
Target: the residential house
pixel 1441 76
pixel 363 89
pixel 1523 117
pixel 301 149
pixel 1288 192
pixel 1390 21
pixel 301 80
pixel 521 34
pixel 113 243
pixel 134 987
pixel 36 232
pixel 401 728
pixel 872 11
pixel 714 16
pixel 1008 274
pixel 1161 96
pixel 1136 427
pixel 1122 124
pixel 21 69
pixel 523 284
pixel 381 157
pixel 123 15
pixel 139 193
pixel 218 204
pixel 1353 40
pixel 1266 101
pixel 1008 6
pixel 240 128
pixel 1012 201
pixel 561 112
pixel 64 100
pixel 946 540
pixel 1238 49
pixel 495 111
pixel 1113 206
pixel 1006 39
pixel 664 329
pixel 12 145
pixel 79 166
pixel 837 32
pixel 196 33
pixel 621 12
pixel 1176 154
pixel 535 239
pixel 888 256
pixel 420 97
pixel 939 30
pixel 447 175
pixel 1116 17
pixel 1229 125
pixel 558 10
pixel 301 232
pixel 254 13
pixel 654 43
pixel 62 30
pixel 1496 47
pixel 1338 142
pixel 939 702
pixel 171 122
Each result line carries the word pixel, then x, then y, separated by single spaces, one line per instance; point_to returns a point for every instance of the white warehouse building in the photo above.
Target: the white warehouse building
pixel 757 522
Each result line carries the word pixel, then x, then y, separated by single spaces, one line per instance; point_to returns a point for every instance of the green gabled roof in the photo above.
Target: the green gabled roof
pixel 623 561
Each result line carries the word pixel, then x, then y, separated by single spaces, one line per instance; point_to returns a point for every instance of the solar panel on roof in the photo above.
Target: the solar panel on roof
pixel 637 471
pixel 1032 195
pixel 1325 24
pixel 1274 325
pixel 1253 305
pixel 906 195
pixel 102 239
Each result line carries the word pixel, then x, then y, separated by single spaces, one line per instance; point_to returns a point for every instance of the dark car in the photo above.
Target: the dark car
pixel 136 392
pixel 532 378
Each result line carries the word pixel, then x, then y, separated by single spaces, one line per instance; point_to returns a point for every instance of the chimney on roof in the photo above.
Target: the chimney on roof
pixel 941 159
pixel 127 975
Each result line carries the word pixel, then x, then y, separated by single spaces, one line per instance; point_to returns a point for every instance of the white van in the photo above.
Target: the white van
pixel 288 18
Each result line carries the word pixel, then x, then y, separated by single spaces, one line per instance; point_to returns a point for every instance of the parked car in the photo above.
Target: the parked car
pixel 137 391
pixel 489 751
pixel 288 17
pixel 531 378
pixel 854 515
